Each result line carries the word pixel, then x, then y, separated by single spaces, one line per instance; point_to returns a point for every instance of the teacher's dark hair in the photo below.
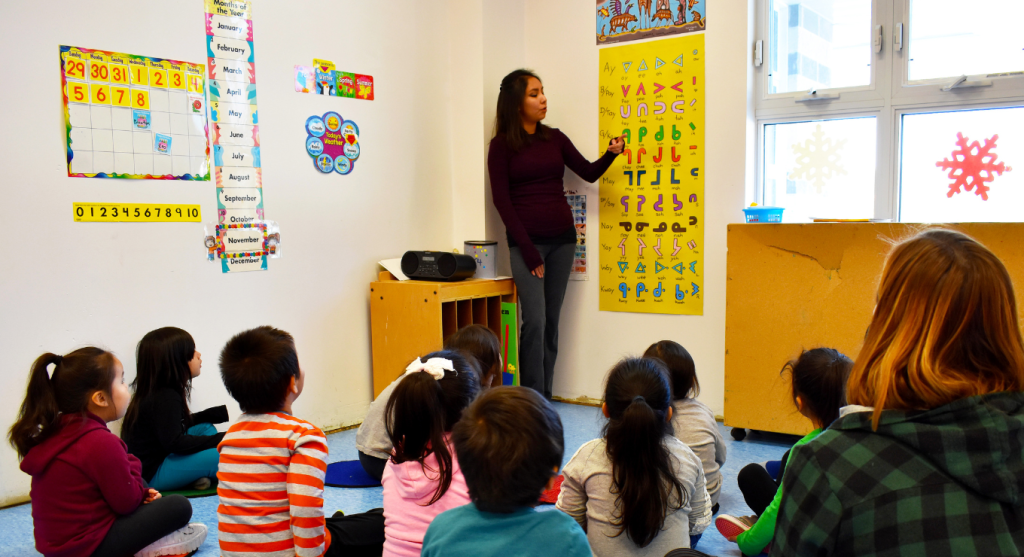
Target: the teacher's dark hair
pixel 508 122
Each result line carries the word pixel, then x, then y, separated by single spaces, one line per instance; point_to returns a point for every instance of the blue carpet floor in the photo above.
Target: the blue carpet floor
pixel 581 423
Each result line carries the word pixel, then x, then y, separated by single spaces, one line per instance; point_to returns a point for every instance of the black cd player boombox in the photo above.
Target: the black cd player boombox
pixel 437 265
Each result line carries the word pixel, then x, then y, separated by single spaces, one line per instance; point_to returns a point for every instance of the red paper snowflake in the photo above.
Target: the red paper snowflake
pixel 973 166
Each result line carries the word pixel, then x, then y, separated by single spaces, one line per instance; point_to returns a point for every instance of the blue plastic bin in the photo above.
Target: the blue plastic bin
pixel 763 214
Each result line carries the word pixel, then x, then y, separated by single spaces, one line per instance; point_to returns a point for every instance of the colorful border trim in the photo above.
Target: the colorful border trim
pixel 67 120
pixel 223 254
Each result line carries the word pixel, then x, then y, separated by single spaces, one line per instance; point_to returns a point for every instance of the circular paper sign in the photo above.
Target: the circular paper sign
pixel 332 142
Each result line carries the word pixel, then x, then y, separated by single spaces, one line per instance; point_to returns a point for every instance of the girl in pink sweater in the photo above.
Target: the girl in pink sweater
pixel 422 479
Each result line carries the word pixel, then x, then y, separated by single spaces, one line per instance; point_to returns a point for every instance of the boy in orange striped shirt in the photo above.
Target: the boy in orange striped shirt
pixel 272 464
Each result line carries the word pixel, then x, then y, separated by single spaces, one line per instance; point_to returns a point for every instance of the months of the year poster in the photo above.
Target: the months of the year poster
pixel 651 199
pixel 129 116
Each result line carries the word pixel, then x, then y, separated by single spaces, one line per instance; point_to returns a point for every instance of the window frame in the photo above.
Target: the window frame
pixel 888 97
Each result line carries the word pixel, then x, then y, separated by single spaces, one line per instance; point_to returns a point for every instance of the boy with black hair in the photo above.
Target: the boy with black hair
pixel 509 444
pixel 272 464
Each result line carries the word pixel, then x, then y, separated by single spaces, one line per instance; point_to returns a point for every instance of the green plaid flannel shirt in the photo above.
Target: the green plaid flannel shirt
pixel 948 481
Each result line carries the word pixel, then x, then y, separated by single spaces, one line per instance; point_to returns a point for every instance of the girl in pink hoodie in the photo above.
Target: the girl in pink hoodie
pixel 422 479
pixel 88 495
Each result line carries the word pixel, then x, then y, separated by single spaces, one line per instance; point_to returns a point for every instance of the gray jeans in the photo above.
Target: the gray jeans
pixel 540 300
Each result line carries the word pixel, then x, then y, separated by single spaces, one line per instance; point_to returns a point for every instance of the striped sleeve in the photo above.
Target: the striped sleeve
pixel 306 473
pixel 271 481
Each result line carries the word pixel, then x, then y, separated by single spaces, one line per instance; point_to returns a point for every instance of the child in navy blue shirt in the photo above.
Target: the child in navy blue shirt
pixel 509 444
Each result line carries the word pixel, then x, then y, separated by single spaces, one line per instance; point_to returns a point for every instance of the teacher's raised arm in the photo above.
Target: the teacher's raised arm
pixel 526 162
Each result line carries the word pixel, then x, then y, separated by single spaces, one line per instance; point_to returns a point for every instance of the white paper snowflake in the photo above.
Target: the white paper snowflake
pixel 818 159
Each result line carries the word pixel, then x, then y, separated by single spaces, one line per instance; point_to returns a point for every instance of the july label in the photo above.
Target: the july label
pixel 229 155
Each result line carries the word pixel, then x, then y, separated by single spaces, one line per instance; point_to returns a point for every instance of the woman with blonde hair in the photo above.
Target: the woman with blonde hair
pixel 928 459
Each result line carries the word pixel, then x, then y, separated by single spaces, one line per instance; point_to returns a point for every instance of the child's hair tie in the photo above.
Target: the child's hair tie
pixel 57 359
pixel 640 398
pixel 434 366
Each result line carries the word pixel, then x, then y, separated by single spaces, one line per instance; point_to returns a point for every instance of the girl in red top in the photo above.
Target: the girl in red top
pixel 526 162
pixel 88 495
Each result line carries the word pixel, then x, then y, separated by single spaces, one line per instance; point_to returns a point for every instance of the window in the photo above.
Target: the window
pixel 969 182
pixel 801 158
pixel 891 109
pixel 819 46
pixel 953 38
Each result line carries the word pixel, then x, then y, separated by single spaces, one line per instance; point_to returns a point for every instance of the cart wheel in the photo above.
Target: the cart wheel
pixel 739 434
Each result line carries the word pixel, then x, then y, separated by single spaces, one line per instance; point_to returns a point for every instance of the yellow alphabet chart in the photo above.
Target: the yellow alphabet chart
pixel 651 199
pixel 135 212
pixel 129 116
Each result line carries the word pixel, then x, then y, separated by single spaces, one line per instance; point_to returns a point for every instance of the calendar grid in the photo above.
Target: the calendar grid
pixel 134 117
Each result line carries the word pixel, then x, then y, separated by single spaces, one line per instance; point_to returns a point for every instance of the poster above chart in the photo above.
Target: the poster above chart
pixel 620 21
pixel 651 199
pixel 129 116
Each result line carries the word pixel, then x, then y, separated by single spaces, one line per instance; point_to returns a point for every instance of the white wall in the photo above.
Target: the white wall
pixel 66 285
pixel 559 43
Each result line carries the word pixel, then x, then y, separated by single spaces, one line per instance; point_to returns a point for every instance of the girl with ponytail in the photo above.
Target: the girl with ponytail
pixel 88 495
pixel 423 479
pixel 637 490
pixel 475 342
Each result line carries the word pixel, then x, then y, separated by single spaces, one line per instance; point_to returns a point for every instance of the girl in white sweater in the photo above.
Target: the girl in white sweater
pixel 638 490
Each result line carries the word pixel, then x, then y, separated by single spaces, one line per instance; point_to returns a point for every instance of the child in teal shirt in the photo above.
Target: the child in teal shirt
pixel 509 444
pixel 819 391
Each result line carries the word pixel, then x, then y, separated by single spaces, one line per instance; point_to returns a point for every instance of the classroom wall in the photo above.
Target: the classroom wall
pixel 559 44
pixel 420 184
pixel 66 284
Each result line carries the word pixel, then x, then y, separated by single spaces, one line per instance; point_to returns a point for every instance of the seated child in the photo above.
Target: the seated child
pixel 372 439
pixel 272 464
pixel 819 391
pixel 88 495
pixel 423 478
pixel 692 422
pixel 177 448
pixel 481 343
pixel 637 490
pixel 509 443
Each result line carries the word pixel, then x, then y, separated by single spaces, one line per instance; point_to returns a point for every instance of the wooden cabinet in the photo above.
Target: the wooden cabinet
pixel 791 287
pixel 412 318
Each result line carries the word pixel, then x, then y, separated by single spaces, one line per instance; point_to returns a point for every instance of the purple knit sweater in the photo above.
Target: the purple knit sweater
pixel 528 192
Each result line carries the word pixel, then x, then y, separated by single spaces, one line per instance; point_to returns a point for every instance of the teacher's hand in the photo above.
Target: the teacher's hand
pixel 538 272
pixel 617 145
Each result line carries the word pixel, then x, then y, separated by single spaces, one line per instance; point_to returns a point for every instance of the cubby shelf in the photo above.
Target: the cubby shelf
pixel 412 318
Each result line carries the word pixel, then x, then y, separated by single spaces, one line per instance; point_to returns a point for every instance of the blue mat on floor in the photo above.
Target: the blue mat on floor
pixel 348 473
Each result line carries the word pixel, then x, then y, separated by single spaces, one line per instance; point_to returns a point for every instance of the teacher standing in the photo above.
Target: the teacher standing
pixel 526 162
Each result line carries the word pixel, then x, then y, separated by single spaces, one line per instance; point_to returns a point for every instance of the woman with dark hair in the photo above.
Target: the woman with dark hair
pixel 526 162
pixel 177 448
